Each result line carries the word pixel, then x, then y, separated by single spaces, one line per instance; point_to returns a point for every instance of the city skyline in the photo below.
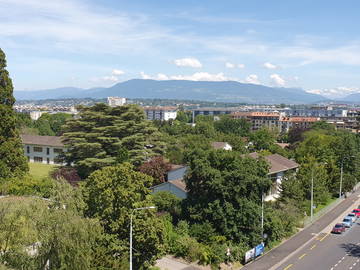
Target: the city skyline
pixel 314 46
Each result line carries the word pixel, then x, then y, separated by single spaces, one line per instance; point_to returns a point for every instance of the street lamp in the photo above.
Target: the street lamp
pixel 312 195
pixel 131 217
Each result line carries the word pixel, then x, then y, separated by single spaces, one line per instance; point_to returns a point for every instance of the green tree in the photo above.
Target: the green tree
pixel 111 194
pixel 100 134
pixel 12 160
pixel 225 190
pixel 228 125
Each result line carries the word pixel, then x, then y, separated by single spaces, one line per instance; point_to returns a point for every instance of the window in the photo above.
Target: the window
pixel 48 160
pixel 28 149
pixel 37 149
pixel 38 159
pixel 48 151
pixel 58 150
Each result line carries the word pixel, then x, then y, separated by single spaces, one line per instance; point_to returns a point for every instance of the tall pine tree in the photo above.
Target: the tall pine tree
pixel 102 136
pixel 12 160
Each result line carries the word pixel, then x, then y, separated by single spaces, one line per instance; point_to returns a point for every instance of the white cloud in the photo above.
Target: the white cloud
pixel 202 76
pixel 336 92
pixel 277 80
pixel 197 76
pixel 229 65
pixel 188 62
pixel 253 79
pixel 117 72
pixel 269 65
pixel 162 77
pixel 145 76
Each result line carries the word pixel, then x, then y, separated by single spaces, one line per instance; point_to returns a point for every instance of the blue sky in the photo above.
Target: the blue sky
pixel 314 45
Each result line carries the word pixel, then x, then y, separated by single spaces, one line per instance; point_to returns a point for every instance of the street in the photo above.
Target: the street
pixel 314 248
pixel 328 252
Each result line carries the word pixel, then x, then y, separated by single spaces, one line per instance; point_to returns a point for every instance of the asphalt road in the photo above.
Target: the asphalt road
pixel 328 252
pixel 283 255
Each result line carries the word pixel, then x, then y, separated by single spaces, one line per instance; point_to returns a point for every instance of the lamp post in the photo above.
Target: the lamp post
pixel 262 216
pixel 341 176
pixel 312 195
pixel 131 217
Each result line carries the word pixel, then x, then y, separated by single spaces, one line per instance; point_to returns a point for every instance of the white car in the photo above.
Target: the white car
pixel 353 216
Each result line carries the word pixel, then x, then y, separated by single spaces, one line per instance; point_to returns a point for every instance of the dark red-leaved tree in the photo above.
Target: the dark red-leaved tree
pixel 156 167
pixel 68 173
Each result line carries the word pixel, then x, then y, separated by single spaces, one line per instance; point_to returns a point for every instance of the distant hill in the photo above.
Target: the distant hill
pixel 353 98
pixel 227 91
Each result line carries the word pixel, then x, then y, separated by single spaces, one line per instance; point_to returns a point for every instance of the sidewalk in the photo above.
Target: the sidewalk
pixel 279 253
pixel 170 263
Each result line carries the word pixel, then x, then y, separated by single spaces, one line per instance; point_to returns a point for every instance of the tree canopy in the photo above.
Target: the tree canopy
pixel 12 160
pixel 102 136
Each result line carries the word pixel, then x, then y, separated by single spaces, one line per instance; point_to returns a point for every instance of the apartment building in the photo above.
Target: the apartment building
pixel 164 113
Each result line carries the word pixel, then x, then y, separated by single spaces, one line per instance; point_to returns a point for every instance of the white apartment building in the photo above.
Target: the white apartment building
pixel 116 101
pixel 42 149
pixel 160 113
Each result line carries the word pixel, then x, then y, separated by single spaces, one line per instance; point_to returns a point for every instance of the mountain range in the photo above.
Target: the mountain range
pixel 225 91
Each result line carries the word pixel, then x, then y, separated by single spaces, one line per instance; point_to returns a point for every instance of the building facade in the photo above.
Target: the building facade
pixel 42 149
pixel 160 113
pixel 116 101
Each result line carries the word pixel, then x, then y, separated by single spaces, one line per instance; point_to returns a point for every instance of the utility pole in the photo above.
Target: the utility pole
pixel 262 216
pixel 312 195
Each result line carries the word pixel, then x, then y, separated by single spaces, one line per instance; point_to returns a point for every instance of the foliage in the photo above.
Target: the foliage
pixel 36 232
pixel 157 168
pixel 12 160
pixel 100 134
pixel 68 173
pixel 111 194
pixel 168 202
pixel 225 190
pixel 228 125
pixel 27 185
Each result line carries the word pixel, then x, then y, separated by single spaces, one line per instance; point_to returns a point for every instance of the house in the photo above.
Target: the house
pixel 221 145
pixel 174 181
pixel 260 120
pixel 42 149
pixel 176 187
pixel 279 165
pixel 176 172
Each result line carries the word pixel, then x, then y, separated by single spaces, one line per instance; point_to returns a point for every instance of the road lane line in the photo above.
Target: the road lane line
pixel 287 267
pixel 313 247
pixel 326 235
pixel 302 256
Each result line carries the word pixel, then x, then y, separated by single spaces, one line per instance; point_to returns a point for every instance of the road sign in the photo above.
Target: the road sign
pixel 259 249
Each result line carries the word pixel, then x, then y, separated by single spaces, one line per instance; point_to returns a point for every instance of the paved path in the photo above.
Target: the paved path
pixel 167 263
pixel 279 255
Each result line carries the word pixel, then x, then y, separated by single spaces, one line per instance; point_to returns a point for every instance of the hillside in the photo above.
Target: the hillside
pixel 227 91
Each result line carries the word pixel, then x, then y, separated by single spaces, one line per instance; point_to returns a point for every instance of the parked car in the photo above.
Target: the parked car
pixel 338 228
pixel 353 217
pixel 357 212
pixel 347 221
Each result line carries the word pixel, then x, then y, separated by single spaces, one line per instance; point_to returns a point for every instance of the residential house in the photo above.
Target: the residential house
pixel 279 165
pixel 42 149
pixel 176 187
pixel 174 181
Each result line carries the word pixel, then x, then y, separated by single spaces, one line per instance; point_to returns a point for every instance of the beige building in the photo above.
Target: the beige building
pixel 42 149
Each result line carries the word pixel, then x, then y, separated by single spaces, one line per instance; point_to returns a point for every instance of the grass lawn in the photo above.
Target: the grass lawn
pixel 40 170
